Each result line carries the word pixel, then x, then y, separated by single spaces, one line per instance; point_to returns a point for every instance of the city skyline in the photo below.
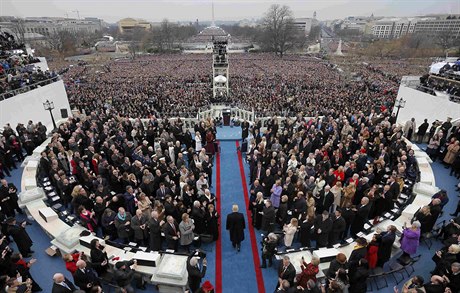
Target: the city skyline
pixel 189 10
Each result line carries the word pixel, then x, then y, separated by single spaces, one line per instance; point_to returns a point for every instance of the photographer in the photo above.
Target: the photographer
pixel 195 273
pixel 269 245
pixel 124 275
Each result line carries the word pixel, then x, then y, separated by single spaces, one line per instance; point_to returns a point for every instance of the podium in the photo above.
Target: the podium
pixel 226 115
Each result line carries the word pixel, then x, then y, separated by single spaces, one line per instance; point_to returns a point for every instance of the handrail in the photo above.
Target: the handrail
pixel 27 88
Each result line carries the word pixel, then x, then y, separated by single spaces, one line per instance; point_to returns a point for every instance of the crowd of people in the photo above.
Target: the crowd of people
pixel 430 84
pixel 314 182
pixel 323 180
pixel 17 69
pixel 130 182
pixel 263 82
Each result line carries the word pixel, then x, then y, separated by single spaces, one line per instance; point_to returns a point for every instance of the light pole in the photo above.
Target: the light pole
pixel 401 103
pixel 49 106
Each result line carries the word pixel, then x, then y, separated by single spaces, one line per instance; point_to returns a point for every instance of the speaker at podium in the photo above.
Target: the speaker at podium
pixel 226 114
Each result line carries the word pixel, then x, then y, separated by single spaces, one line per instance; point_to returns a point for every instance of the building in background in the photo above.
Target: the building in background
pixel 305 24
pixel 393 28
pixel 127 25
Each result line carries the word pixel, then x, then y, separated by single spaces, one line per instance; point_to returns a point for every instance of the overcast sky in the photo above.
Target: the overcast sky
pixel 180 10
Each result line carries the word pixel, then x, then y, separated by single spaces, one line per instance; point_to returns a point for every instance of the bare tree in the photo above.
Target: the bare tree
pixel 135 38
pixel 445 40
pixel 279 32
pixel 62 41
pixel 164 36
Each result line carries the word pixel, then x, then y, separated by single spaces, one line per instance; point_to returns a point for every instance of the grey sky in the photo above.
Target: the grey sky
pixel 156 10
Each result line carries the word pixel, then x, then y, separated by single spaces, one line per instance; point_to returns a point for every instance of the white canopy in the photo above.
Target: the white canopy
pixel 220 78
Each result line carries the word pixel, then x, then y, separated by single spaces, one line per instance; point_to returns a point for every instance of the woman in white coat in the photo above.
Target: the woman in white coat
pixel 289 232
pixel 198 145
pixel 337 192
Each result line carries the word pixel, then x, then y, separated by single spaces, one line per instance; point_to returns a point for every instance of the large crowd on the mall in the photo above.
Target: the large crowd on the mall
pixel 263 82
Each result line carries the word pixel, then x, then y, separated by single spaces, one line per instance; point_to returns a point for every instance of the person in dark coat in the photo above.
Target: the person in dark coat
pixel 340 262
pixel 212 224
pixel 361 217
pixel 99 258
pixel 9 190
pixel 20 236
pixel 349 214
pixel 244 129
pixel 326 198
pixel 62 284
pixel 195 274
pixel 323 226
pixel 268 217
pixel 124 275
pixel 199 217
pixel 386 245
pixel 338 227
pixel 286 271
pixel 359 252
pixel 269 245
pixel 358 278
pixel 172 234
pixel 235 225
pixel 155 232
pixel 422 131
pixel 306 230
pixel 83 277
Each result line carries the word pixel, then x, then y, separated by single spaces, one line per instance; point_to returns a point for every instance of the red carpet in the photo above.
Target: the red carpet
pixel 218 285
pixel 252 235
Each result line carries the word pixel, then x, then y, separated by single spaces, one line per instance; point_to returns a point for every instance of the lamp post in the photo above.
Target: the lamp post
pixel 401 103
pixel 49 106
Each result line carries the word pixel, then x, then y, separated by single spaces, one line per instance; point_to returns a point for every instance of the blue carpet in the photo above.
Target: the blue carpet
pixel 238 273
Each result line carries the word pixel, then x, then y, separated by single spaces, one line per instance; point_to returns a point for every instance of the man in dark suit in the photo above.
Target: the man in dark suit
pixel 255 188
pixel 268 217
pixel 20 236
pixel 195 274
pixel 258 173
pixel 45 165
pixel 326 198
pixel 323 226
pixel 338 227
pixel 395 189
pixel 361 217
pixel 244 129
pixel 162 192
pixel 62 285
pixel 83 277
pixel 155 232
pixel 235 225
pixel 172 234
pixel 286 271
pixel 300 205
pixel 386 244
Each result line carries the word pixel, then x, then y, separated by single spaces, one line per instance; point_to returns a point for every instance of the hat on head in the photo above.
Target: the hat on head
pixel 119 264
pixel 207 286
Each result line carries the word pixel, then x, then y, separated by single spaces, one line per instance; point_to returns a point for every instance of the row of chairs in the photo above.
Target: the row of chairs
pixel 397 272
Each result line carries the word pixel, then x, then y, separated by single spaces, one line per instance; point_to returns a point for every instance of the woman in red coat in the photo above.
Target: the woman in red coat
pixel 71 261
pixel 309 272
pixel 372 251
